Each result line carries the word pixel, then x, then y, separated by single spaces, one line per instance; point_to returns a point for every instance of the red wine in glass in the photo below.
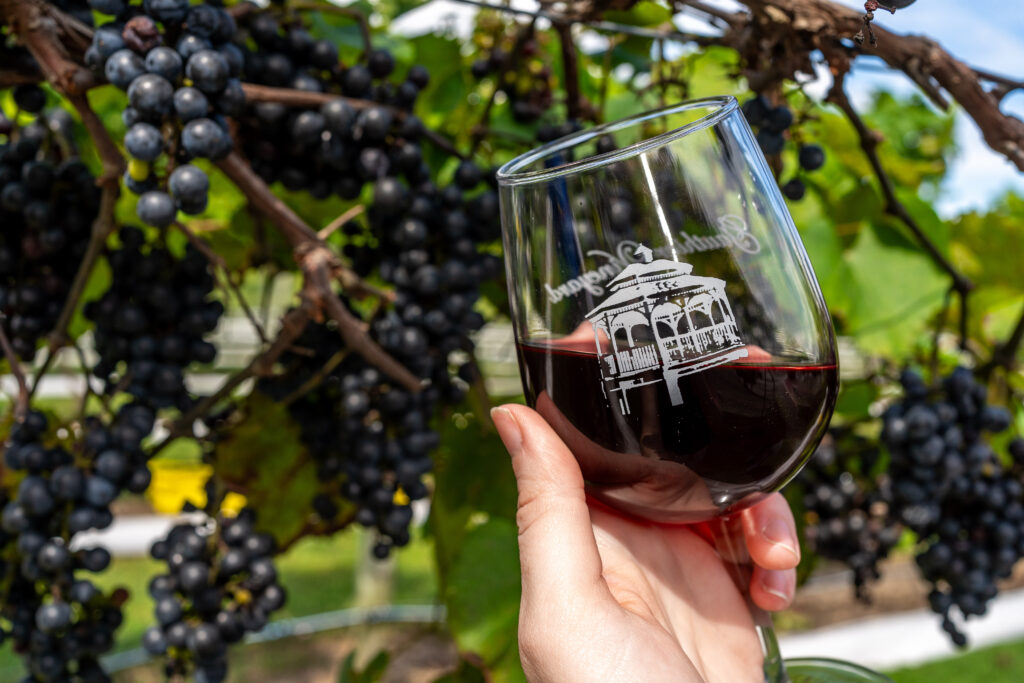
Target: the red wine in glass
pixel 734 431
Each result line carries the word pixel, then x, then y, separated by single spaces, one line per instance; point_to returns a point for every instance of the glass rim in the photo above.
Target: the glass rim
pixel 510 173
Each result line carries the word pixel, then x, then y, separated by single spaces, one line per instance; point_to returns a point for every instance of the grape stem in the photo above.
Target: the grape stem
pixel 574 99
pixel 242 9
pixel 704 8
pixel 292 325
pixel 317 378
pixel 341 220
pixel 228 285
pixel 869 141
pixel 312 529
pixel 290 97
pixel 588 18
pixel 320 267
pixel 21 404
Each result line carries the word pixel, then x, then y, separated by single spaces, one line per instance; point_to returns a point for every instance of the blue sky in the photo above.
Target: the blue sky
pixel 988 34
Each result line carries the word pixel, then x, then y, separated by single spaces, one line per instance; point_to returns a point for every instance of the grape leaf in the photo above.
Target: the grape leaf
pixel 894 291
pixel 265 455
pixel 472 472
pixel 482 596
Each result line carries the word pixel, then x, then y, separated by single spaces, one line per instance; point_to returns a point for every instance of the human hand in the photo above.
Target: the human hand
pixel 609 598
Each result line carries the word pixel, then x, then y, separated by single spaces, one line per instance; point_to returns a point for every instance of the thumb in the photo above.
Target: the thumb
pixel 557 549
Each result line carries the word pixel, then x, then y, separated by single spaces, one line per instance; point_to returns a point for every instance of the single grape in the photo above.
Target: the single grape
pixel 812 157
pixel 152 95
pixel 164 62
pixel 156 208
pixel 208 71
pixel 30 97
pixel 123 67
pixel 144 142
pixel 794 189
pixel 190 103
pixel 381 63
pixel 203 138
pixel 189 184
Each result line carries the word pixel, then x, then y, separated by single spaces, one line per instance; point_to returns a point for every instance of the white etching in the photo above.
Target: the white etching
pixel 660 317
pixel 733 233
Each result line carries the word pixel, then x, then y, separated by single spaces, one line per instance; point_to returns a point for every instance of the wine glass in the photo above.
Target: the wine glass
pixel 668 323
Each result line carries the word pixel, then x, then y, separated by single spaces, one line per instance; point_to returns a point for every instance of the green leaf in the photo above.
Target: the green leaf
pixel 482 597
pixel 635 51
pixel 894 291
pixel 855 200
pixel 475 542
pixel 341 30
pixel 854 399
pixel 444 100
pixel 264 454
pixel 826 254
pixel 472 473
pixel 644 13
pixel 937 230
pixel 986 247
pixel 225 198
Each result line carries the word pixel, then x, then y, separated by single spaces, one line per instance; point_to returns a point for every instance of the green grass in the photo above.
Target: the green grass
pixel 997 664
pixel 319 574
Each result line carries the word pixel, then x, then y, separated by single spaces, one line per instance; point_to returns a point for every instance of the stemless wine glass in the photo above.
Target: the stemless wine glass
pixel 668 324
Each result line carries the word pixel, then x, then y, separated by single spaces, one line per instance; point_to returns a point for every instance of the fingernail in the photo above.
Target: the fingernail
pixel 777 584
pixel 508 429
pixel 779 533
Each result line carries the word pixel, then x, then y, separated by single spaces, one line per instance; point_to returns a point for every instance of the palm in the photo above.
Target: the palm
pixel 674 605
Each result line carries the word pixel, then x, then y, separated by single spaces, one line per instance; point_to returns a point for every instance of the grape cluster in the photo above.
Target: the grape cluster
pixel 847 513
pixel 368 435
pixel 151 322
pixel 61 622
pixel 522 75
pixel 47 205
pixel 335 149
pixel 953 491
pixel 180 69
pixel 772 123
pixel 220 583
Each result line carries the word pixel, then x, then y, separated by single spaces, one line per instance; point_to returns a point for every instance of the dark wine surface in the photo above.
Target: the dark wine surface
pixel 728 435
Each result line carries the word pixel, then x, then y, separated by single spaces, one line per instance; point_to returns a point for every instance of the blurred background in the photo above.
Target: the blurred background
pixel 444 608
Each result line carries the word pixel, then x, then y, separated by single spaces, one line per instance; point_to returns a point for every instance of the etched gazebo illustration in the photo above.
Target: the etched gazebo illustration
pixel 659 316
